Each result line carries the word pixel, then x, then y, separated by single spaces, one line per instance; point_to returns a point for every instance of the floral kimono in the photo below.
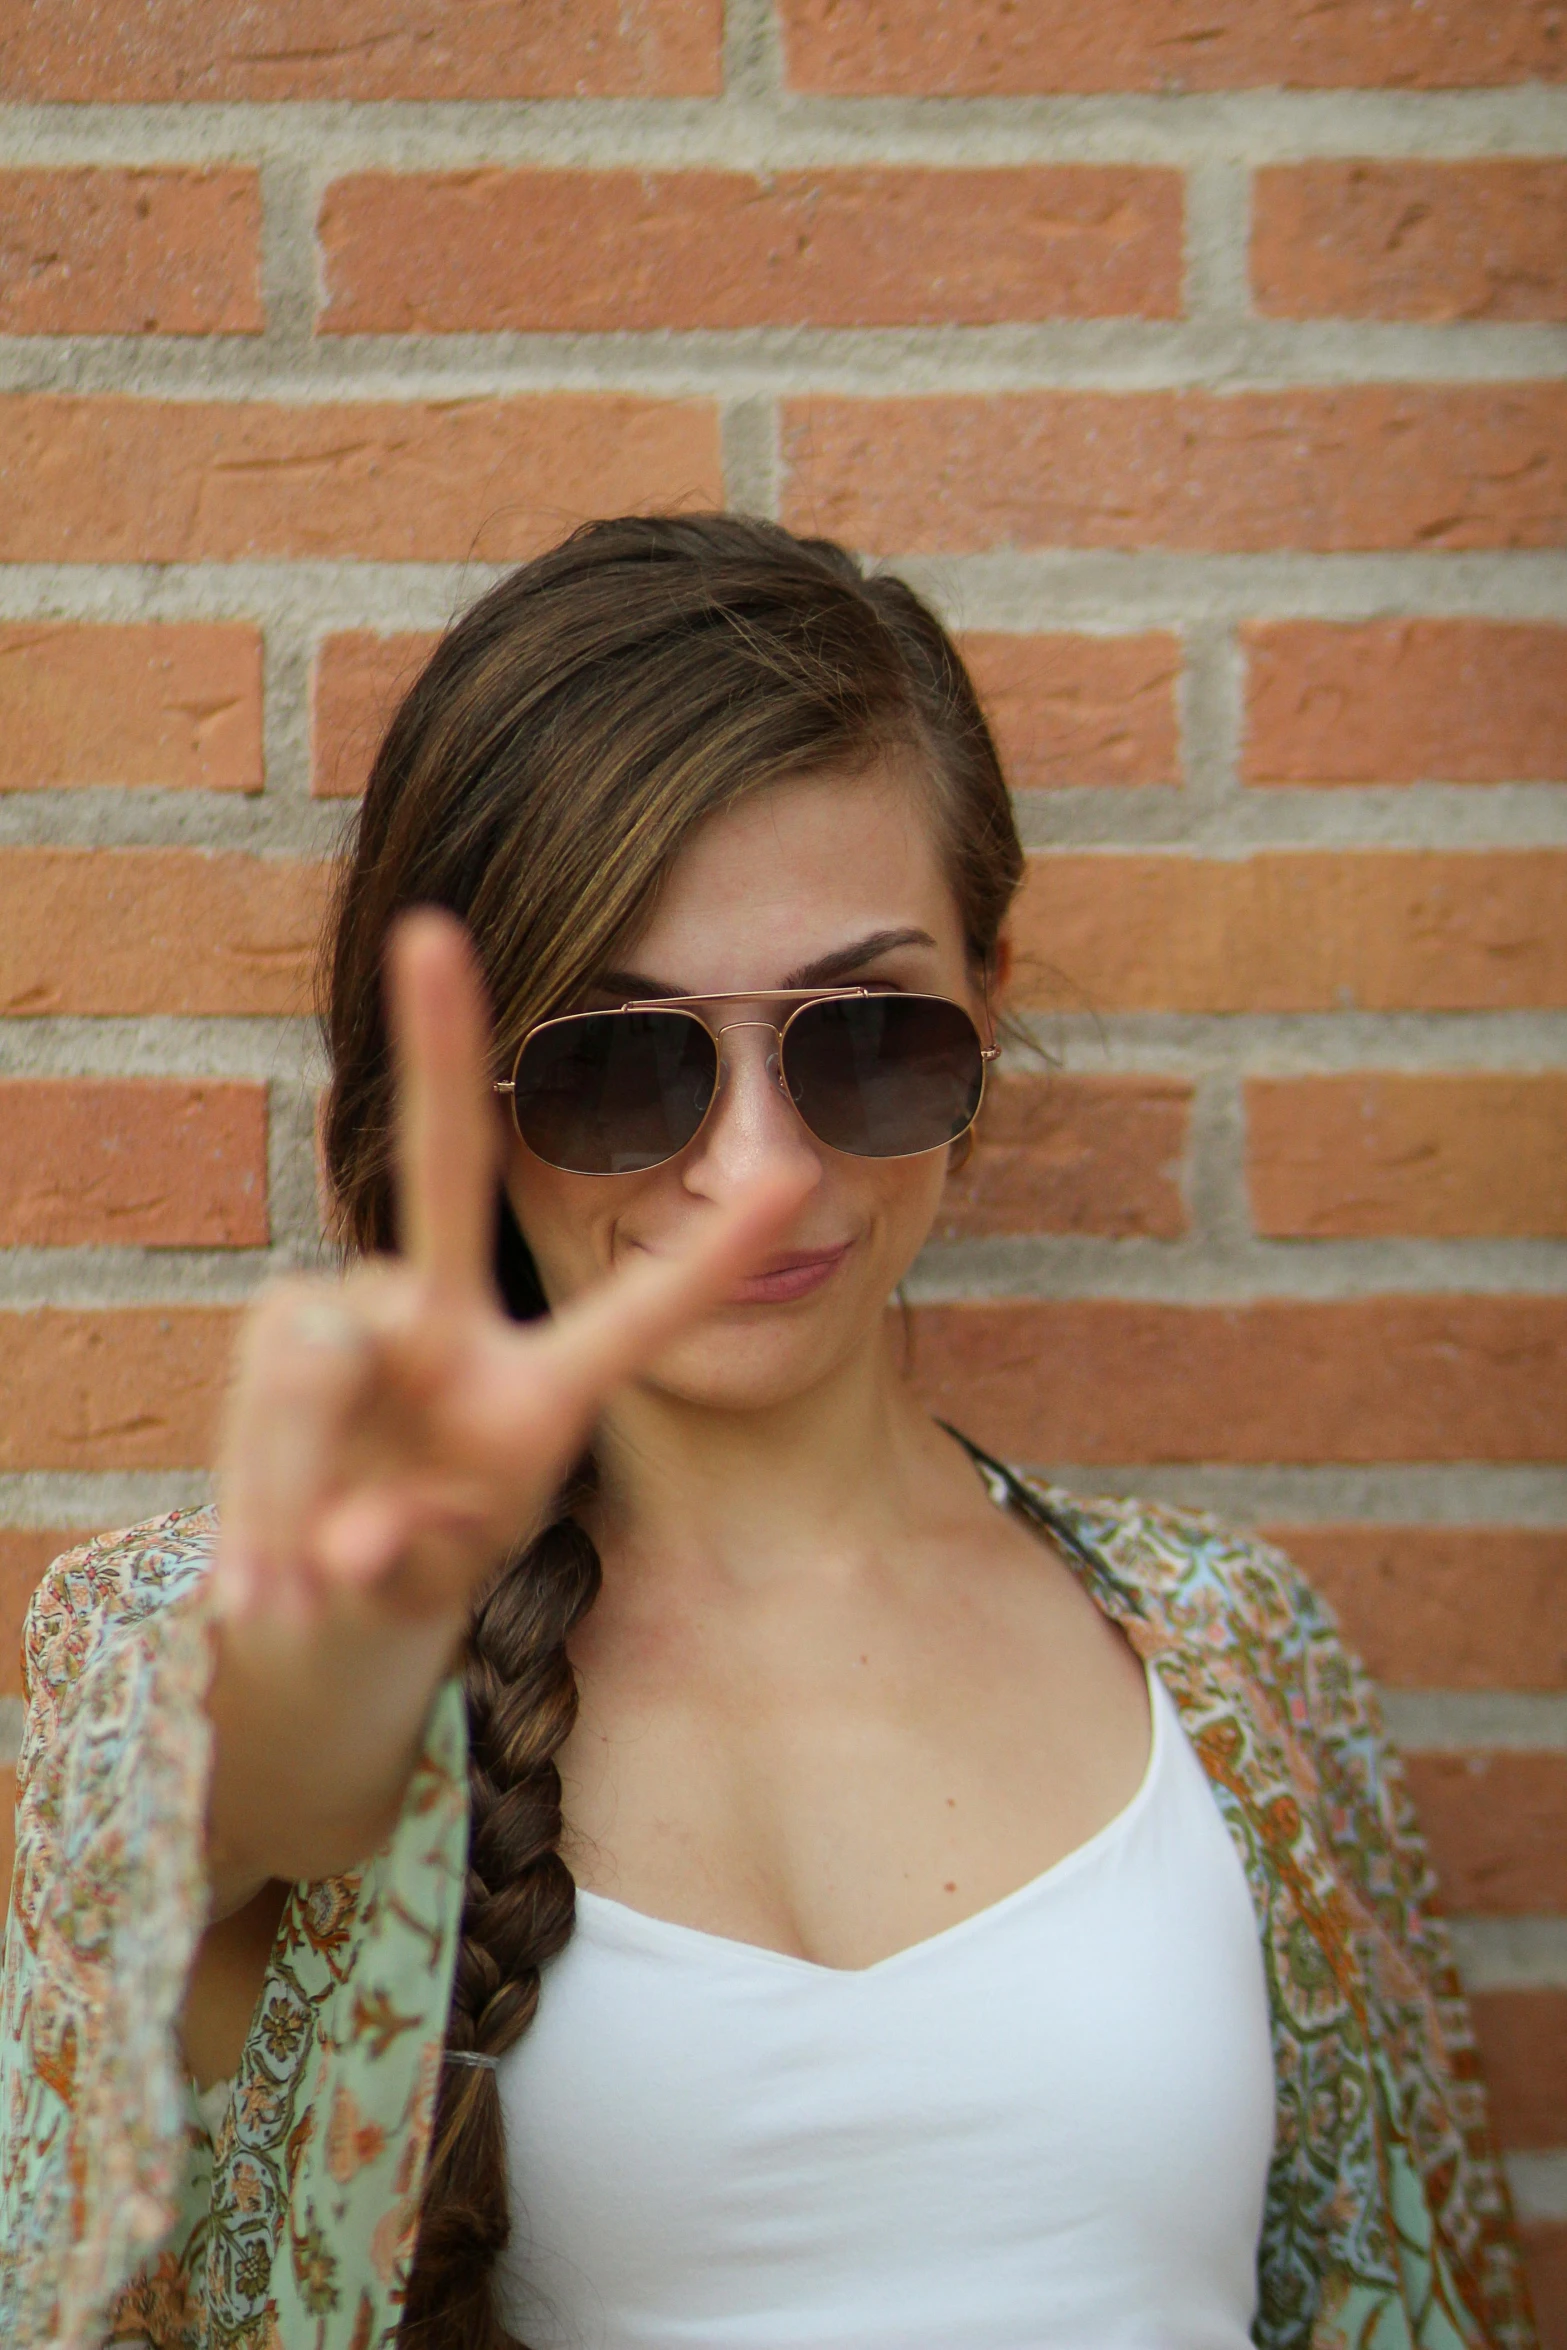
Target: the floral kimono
pixel 122 2221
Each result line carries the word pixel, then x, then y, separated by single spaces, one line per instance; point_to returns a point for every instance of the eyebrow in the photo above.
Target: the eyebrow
pixel 823 971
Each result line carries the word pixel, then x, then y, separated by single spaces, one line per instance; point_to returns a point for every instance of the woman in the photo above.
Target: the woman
pixel 998 1919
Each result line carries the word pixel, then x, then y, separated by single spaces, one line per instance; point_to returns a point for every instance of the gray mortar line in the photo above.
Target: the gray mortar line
pixel 89 1500
pixel 1301 1043
pixel 1487 1721
pixel 1422 1494
pixel 1227 354
pixel 1539 2186
pixel 1219 1264
pixel 750 455
pixel 1410 816
pixel 260 1050
pixel 1218 227
pixel 1100 590
pixel 1511 1954
pixel 758 126
pixel 753 59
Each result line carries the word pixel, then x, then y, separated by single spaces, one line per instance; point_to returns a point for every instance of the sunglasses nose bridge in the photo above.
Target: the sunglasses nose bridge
pixel 775 1054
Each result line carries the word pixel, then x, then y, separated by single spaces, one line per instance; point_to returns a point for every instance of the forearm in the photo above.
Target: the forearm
pixel 316 1730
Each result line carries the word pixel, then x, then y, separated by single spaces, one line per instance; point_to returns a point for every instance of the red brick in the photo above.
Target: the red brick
pixel 131 1387
pixel 176 706
pixel 1405 701
pixel 146 931
pixel 24 1554
pixel 1431 241
pixel 356 684
pixel 983 48
pixel 112 480
pixel 149 52
pixel 1081 709
pixel 1444 1607
pixel 1378 1154
pixel 1074 1154
pixel 154 1163
pixel 1545 2255
pixel 1497 1825
pixel 109 252
pixel 1294 931
pixel 1523 2046
pixel 1341 470
pixel 624 251
pixel 1379 1378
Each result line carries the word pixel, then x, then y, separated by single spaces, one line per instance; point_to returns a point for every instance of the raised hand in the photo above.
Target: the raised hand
pixel 392 1436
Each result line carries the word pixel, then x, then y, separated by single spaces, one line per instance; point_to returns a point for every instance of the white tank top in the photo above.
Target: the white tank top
pixel 1046 2128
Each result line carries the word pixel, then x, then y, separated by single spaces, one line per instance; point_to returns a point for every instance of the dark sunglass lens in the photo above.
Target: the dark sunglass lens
pixel 884 1076
pixel 609 1093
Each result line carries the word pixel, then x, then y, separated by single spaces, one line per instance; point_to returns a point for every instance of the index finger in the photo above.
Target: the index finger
pixel 446 1139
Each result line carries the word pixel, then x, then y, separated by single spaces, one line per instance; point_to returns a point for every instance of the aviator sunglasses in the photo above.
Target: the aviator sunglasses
pixel 879 1074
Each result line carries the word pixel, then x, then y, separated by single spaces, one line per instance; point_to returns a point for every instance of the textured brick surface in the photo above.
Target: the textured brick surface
pixel 1545 2248
pixel 110 480
pixel 1295 931
pixel 1074 1154
pixel 1329 470
pixel 355 686
pixel 133 1387
pixel 1445 1607
pixel 24 1554
pixel 1411 240
pixel 1290 1380
pixel 1405 701
pixel 976 48
pixel 104 1162
pixel 1497 1825
pixel 130 252
pixel 138 931
pixel 1523 2047
pixel 153 51
pixel 562 251
pixel 1081 709
pixel 175 706
pixel 1384 1153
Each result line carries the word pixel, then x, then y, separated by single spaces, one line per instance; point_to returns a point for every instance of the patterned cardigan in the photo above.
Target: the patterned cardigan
pixel 122 2222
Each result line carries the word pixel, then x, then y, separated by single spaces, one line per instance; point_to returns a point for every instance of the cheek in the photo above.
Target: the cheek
pixel 568 1222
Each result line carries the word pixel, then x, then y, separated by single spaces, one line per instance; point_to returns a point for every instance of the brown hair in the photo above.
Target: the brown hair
pixel 558 750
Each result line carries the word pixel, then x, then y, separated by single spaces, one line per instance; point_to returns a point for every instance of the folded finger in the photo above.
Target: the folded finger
pixel 615 1330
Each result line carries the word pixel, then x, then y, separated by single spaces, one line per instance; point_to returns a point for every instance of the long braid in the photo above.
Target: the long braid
pixel 518 1910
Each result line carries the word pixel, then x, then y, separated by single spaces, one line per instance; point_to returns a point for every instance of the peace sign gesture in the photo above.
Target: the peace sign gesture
pixel 392 1436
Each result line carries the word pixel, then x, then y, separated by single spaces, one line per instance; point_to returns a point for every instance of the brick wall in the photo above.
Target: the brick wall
pixel 1206 365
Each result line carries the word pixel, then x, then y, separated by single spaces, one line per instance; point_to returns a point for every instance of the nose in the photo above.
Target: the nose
pixel 753 1127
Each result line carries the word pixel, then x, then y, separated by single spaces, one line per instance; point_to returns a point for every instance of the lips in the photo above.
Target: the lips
pixel 789 1276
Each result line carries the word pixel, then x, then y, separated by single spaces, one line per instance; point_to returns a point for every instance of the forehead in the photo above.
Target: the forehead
pixel 798 869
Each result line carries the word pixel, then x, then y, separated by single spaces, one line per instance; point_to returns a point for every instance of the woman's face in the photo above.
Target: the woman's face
pixel 823 882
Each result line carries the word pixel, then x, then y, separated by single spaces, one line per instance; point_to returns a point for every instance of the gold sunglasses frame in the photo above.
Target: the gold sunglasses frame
pixel 804 1001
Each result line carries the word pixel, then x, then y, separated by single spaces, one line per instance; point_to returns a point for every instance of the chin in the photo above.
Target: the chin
pixel 739 1369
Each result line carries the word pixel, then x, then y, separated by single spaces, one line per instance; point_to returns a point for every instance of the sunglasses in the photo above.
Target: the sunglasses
pixel 879 1075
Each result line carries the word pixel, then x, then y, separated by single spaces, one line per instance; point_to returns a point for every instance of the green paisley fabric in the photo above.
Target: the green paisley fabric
pixel 1386 2228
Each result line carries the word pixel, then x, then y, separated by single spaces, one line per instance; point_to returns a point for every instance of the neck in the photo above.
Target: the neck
pixel 752 1496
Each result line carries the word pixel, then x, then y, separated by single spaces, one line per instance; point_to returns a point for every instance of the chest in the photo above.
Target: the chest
pixel 1049 2124
pixel 838 1778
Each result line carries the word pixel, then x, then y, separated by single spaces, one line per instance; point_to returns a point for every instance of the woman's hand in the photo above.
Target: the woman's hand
pixel 393 1433
pixel 391 1438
